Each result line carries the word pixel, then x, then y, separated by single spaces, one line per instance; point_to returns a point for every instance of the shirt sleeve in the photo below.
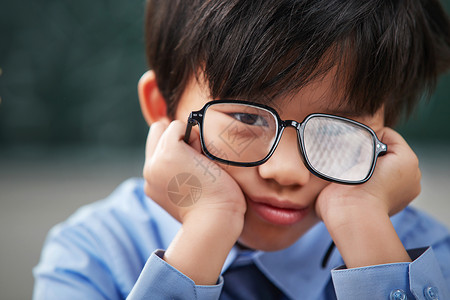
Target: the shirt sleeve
pixel 73 267
pixel 420 279
pixel 159 280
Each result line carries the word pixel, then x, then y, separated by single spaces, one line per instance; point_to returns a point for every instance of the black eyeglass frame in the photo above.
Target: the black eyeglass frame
pixel 196 118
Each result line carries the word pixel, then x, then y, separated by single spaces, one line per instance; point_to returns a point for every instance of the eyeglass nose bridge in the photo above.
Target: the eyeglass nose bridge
pixel 290 123
pixel 297 126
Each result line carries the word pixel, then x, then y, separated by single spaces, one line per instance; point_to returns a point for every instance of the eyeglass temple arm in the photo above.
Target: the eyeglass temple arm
pixel 191 122
pixel 381 149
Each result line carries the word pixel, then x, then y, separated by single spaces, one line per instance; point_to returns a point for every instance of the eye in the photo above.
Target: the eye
pixel 249 119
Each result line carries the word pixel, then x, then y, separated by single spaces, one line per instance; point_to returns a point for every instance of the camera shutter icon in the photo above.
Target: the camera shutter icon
pixel 184 189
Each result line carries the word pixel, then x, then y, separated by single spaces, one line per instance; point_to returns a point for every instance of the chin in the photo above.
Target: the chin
pixel 265 246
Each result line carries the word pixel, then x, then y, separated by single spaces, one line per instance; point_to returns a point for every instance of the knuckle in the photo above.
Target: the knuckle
pixel 415 160
pixel 147 189
pixel 157 126
pixel 418 179
pixel 419 175
pixel 411 160
pixel 175 125
pixel 418 189
pixel 146 171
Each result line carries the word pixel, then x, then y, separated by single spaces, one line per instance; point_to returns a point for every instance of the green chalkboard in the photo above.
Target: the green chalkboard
pixel 68 74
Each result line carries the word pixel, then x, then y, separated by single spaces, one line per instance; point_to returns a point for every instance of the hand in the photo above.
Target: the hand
pixel 212 223
pixel 393 185
pixel 167 155
pixel 357 216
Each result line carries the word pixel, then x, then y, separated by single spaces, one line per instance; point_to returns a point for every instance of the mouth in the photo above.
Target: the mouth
pixel 277 212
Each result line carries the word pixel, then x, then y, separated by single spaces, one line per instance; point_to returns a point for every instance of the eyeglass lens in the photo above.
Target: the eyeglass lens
pixel 338 149
pixel 244 134
pixel 238 132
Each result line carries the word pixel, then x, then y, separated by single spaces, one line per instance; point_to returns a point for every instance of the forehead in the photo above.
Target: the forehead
pixel 321 95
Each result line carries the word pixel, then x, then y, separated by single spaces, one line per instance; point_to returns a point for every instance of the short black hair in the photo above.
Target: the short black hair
pixel 386 52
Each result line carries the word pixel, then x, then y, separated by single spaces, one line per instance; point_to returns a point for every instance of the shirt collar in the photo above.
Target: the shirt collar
pixel 295 270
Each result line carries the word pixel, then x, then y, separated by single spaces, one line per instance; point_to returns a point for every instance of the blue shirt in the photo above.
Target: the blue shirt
pixel 112 249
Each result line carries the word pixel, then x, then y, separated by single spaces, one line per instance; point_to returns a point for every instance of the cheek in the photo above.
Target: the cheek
pixel 251 182
pixel 246 177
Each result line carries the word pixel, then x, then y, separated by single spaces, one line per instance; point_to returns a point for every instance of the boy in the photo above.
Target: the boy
pixel 236 191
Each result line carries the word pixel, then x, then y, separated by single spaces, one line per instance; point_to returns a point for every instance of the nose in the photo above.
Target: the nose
pixel 286 166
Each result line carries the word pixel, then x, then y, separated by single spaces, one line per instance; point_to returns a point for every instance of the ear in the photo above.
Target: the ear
pixel 153 105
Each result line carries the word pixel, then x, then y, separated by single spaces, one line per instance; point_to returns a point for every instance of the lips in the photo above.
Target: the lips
pixel 277 212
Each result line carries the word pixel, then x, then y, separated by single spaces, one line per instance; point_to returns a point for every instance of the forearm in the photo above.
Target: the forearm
pixel 201 246
pixel 366 237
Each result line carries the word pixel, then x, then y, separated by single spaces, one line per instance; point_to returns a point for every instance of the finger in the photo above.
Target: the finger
pixel 156 131
pixel 399 147
pixel 391 137
pixel 396 144
pixel 194 140
pixel 178 128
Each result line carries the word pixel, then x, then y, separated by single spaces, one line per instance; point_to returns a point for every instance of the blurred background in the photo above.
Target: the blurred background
pixel 71 129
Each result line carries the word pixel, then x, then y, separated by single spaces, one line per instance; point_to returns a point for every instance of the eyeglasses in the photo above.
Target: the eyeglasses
pixel 246 134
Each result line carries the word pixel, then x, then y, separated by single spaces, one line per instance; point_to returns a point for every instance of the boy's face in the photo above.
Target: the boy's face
pixel 285 186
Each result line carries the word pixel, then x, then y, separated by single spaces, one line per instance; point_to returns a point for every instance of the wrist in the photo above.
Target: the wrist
pixel 366 237
pixel 201 246
pixel 215 222
pixel 340 208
